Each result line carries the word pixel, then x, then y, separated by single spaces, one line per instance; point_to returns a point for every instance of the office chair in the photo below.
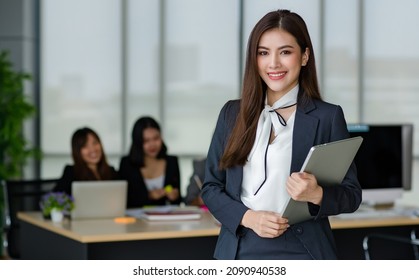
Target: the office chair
pixel 21 195
pixel 413 241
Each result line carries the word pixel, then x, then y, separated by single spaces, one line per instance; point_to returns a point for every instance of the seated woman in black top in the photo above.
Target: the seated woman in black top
pixel 153 176
pixel 89 158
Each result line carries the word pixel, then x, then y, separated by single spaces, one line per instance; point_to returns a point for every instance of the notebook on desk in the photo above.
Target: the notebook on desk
pixel 166 213
pixel 99 199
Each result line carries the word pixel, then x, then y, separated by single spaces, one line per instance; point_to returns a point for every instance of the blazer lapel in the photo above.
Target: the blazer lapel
pixel 305 128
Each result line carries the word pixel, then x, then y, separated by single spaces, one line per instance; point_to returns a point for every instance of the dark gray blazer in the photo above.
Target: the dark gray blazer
pixel 315 123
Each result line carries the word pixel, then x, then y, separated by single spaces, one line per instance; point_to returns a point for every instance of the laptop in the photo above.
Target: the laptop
pixel 329 163
pixel 99 199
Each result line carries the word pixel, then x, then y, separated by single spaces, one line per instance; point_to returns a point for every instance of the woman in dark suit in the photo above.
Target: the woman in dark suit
pixel 90 161
pixel 153 176
pixel 260 143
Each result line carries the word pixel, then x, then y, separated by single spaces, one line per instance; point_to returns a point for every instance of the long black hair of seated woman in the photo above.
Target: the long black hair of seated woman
pixel 81 170
pixel 136 153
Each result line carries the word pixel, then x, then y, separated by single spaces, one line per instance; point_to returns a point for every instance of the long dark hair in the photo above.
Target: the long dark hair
pixel 136 153
pixel 253 93
pixel 81 170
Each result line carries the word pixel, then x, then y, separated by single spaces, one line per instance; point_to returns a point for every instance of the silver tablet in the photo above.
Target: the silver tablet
pixel 329 163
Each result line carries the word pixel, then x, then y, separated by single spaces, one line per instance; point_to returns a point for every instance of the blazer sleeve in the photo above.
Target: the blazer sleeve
pixel 173 176
pixel 64 183
pixel 114 173
pixel 221 188
pixel 137 195
pixel 347 196
pixel 123 168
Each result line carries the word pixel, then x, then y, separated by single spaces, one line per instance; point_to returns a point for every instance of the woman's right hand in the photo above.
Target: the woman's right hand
pixel 265 223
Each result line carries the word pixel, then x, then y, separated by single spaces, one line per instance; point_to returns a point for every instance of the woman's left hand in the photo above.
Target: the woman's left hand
pixel 302 186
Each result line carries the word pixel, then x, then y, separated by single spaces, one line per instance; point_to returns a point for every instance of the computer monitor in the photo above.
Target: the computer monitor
pixel 384 161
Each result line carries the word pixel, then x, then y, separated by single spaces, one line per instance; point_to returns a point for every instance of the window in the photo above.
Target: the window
pixel 180 61
pixel 341 60
pixel 391 63
pixel 81 76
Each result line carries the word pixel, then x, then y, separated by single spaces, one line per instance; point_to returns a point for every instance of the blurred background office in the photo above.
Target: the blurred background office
pixel 103 63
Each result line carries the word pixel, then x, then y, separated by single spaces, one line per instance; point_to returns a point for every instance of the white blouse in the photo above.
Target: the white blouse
pixel 270 195
pixel 273 195
pixel 154 183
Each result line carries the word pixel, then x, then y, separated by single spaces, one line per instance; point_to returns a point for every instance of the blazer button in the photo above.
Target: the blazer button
pixel 299 230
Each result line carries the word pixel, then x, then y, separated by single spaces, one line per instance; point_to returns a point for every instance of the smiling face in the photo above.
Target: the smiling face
pixel 279 60
pixel 152 142
pixel 91 152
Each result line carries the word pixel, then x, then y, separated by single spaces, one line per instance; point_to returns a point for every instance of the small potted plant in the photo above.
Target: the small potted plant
pixel 56 205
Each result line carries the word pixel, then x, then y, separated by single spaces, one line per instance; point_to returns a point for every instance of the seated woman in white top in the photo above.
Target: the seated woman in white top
pixel 153 176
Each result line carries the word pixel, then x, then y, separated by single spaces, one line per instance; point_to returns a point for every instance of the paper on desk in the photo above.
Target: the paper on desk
pixel 139 212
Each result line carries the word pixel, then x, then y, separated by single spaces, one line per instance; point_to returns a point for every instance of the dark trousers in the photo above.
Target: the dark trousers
pixel 284 247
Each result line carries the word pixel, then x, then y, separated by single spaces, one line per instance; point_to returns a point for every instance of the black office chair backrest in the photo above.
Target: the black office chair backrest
pixel 22 195
pixel 386 246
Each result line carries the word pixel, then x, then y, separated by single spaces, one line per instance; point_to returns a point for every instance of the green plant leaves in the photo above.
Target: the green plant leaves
pixel 14 109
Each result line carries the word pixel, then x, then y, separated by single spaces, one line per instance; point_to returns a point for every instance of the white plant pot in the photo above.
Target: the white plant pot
pixel 57 215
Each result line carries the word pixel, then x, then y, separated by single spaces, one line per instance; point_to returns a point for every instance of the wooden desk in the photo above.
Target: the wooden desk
pixel 338 223
pixel 105 239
